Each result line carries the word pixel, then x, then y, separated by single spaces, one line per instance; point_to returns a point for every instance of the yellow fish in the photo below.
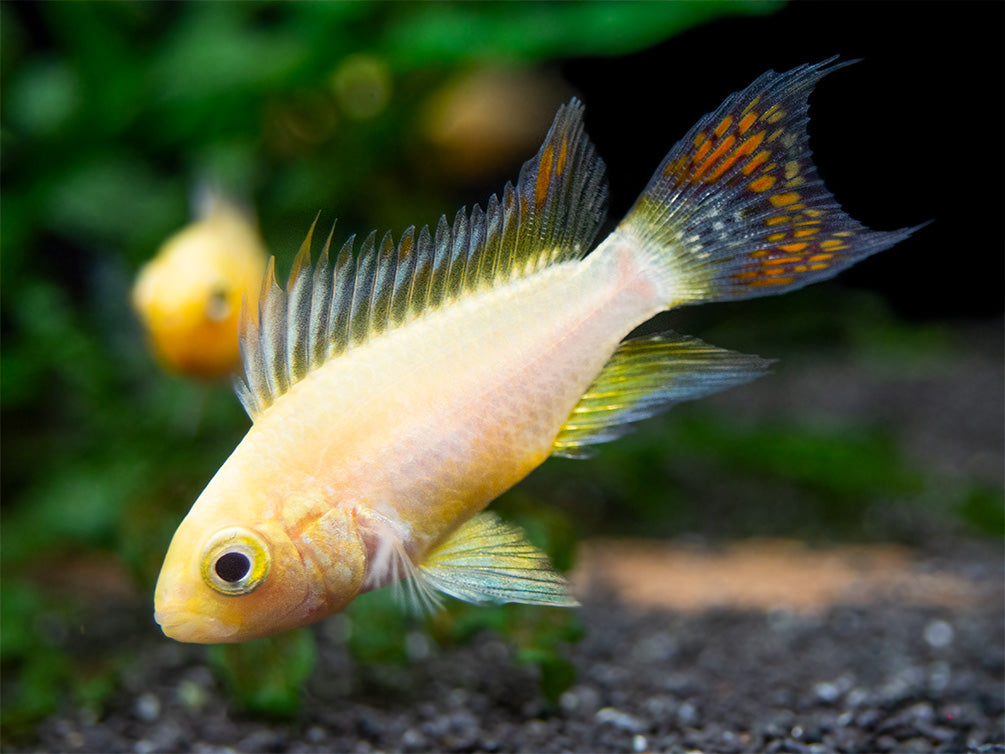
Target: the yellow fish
pixel 189 295
pixel 395 392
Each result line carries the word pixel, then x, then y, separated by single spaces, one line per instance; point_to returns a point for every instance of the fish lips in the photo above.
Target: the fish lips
pixel 186 626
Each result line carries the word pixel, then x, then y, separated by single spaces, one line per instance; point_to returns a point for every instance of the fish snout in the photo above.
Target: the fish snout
pixel 184 625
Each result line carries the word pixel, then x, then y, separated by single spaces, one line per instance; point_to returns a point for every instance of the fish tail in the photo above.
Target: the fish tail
pixel 737 210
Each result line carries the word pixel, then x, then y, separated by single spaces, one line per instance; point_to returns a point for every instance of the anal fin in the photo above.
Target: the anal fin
pixel 489 561
pixel 646 376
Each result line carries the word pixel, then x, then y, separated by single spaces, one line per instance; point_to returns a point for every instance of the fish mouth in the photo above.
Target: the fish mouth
pixel 191 627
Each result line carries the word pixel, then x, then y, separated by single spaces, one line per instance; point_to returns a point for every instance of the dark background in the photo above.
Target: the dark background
pixel 912 133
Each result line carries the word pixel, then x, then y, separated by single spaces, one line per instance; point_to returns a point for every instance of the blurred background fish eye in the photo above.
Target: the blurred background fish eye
pixel 128 128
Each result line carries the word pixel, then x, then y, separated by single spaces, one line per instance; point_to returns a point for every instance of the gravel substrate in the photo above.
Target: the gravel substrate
pixel 906 654
pixel 884 676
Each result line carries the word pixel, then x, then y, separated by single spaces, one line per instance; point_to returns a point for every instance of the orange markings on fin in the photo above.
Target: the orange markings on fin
pixel 832 243
pixel 820 257
pixel 777 220
pixel 781 200
pixel 779 260
pixel 746 147
pixel 755 161
pixel 774 237
pixel 794 247
pixel 703 150
pixel 723 126
pixel 543 176
pixel 746 122
pixel 762 184
pixel 561 157
pixel 806 232
pixel 724 146
pixel 700 138
pixel 760 253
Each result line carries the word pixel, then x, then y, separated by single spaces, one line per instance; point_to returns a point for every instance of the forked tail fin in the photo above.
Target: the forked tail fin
pixel 737 210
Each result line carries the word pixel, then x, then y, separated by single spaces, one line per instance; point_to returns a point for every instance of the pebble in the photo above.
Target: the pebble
pixel 938 634
pixel 620 719
pixel 147 707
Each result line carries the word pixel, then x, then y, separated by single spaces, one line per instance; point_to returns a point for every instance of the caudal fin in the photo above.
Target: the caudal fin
pixel 737 210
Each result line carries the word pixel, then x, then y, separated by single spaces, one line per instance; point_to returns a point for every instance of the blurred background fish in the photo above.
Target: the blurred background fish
pixel 189 295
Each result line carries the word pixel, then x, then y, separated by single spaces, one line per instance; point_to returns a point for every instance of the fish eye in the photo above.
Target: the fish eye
pixel 235 562
pixel 218 304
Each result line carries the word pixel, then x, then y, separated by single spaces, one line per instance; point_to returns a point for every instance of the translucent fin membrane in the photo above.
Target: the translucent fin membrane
pixel 551 215
pixel 489 561
pixel 646 376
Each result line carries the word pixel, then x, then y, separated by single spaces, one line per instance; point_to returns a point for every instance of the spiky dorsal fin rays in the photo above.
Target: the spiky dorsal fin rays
pixel 551 215
pixel 737 209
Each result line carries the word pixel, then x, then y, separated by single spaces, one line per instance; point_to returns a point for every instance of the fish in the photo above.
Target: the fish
pixel 396 390
pixel 188 296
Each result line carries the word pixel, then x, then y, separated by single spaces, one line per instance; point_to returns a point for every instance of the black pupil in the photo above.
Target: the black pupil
pixel 232 566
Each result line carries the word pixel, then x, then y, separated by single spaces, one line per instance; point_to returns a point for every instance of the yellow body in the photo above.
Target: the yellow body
pixel 406 436
pixel 189 295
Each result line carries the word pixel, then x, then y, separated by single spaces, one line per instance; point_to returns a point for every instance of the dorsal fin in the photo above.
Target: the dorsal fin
pixel 644 377
pixel 551 215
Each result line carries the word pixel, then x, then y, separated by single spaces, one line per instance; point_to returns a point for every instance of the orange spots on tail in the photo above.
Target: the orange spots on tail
pixel 756 161
pixel 719 151
pixel 723 126
pixel 762 184
pixel 780 200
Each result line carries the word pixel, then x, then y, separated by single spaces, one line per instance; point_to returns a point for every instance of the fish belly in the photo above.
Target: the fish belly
pixel 424 425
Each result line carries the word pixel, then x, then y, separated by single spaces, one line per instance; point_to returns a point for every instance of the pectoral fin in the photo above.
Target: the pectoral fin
pixel 489 561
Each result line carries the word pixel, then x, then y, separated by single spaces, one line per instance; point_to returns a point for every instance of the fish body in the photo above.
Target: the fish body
pixel 396 392
pixel 189 295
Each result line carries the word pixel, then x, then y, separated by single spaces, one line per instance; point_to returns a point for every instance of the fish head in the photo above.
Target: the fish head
pixel 189 295
pixel 229 580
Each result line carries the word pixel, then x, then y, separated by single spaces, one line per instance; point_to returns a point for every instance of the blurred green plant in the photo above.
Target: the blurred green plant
pixel 267 676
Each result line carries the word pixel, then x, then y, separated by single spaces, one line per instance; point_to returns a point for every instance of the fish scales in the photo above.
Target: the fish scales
pixel 428 454
pixel 396 393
